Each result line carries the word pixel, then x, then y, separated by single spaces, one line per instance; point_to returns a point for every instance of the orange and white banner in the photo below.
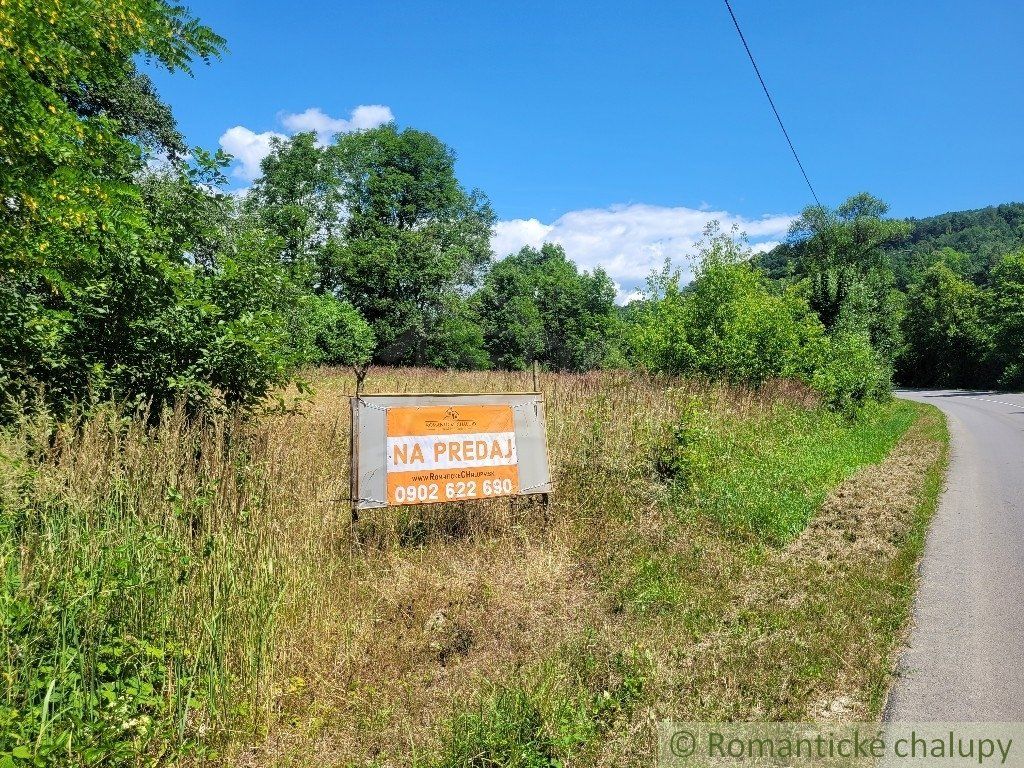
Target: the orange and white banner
pixel 450 453
pixel 481 449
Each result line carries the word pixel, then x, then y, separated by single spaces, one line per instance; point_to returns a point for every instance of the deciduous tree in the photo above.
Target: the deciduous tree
pixel 537 305
pixel 413 238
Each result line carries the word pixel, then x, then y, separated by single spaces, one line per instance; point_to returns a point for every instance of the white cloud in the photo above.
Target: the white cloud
pixel 325 127
pixel 368 116
pixel 630 241
pixel 510 236
pixel 249 148
pixel 765 245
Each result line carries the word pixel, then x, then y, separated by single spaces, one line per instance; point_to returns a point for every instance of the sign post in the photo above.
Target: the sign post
pixel 431 449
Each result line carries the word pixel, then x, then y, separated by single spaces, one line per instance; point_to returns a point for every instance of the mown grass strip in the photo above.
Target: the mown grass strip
pixel 903 571
pixel 767 475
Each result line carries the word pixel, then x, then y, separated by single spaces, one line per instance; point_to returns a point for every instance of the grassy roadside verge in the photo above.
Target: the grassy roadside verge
pixel 714 552
pixel 727 622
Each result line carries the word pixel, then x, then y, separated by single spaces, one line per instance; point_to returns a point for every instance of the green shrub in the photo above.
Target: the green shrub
pixel 944 336
pixel 329 331
pixel 457 340
pixel 537 305
pixel 1006 320
pixel 733 324
pixel 850 372
pixel 727 325
pixel 680 455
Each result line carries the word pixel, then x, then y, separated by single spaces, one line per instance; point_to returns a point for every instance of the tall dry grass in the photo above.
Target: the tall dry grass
pixel 276 636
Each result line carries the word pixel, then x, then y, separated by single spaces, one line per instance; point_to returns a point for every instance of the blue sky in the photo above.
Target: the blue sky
pixel 619 128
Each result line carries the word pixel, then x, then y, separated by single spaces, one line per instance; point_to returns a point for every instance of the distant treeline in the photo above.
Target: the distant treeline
pixel 960 283
pixel 127 272
pixel 981 238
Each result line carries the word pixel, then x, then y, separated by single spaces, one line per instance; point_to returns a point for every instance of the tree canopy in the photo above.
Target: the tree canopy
pixel 537 305
pixel 414 239
pixel 127 272
pixel 937 295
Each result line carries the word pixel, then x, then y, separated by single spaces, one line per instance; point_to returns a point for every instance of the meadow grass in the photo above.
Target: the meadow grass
pixel 769 475
pixel 192 592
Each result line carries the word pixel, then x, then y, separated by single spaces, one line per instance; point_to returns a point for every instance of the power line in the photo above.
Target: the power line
pixel 772 102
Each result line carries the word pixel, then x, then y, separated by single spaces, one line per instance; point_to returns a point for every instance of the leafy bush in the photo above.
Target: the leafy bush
pixel 1005 316
pixel 329 331
pixel 849 372
pixel 125 273
pixel 456 339
pixel 679 457
pixel 945 343
pixel 732 324
pixel 728 324
pixel 537 305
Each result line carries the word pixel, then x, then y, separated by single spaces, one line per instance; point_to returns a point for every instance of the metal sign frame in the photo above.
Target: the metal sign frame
pixel 369 442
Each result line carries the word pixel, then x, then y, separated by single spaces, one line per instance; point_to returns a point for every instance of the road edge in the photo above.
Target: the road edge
pixel 932 487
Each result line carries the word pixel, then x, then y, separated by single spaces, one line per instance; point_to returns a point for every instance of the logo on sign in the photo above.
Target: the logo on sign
pixel 450 421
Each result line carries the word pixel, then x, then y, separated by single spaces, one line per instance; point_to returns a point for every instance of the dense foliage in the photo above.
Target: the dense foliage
pixel 980 238
pixel 940 297
pixel 536 305
pixel 127 273
pixel 124 272
pixel 380 218
pixel 734 323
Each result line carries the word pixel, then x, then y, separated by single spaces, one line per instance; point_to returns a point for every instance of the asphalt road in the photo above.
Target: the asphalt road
pixel 965 660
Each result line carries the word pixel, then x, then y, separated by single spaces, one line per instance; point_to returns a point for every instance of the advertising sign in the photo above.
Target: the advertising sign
pixel 429 449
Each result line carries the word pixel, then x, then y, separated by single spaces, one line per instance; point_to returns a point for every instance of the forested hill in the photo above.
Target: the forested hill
pixel 982 236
